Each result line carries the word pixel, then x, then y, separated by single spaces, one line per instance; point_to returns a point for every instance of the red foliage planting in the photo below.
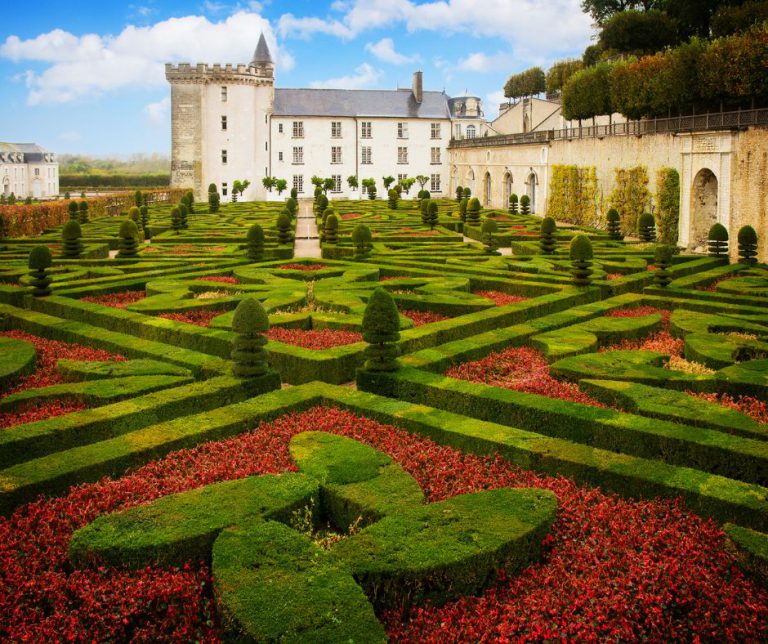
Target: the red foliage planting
pixel 613 276
pixel 641 312
pixel 389 278
pixel 712 286
pixel 756 409
pixel 500 298
pixel 520 369
pixel 314 338
pixel 199 318
pixel 116 300
pixel 183 249
pixel 613 569
pixel 302 267
pixel 350 215
pixel 220 279
pixel 49 352
pixel 661 341
pixel 420 318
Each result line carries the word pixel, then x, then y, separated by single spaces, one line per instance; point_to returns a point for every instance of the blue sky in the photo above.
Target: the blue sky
pixel 87 77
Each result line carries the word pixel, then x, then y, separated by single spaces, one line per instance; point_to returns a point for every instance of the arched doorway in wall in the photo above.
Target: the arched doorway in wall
pixel 704 197
pixel 530 190
pixel 507 189
pixel 470 182
pixel 487 189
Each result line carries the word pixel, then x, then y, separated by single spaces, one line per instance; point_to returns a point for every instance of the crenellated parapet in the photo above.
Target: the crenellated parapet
pixel 203 74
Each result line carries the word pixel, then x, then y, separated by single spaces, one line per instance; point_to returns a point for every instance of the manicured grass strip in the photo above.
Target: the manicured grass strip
pixel 17 359
pixel 78 370
pixel 57 328
pixel 751 550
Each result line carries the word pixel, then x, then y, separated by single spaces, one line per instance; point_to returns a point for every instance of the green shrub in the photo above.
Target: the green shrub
pixel 74 211
pixel 128 239
pixel 467 193
pixel 459 193
pixel 581 259
pixel 39 260
pixel 138 200
pixel 295 194
pixel 525 205
pixel 513 204
pixel 463 204
pixel 646 227
pixel 83 214
pixel 293 206
pixel 283 229
pixel 614 224
pixel 176 219
pixel 331 229
pixel 488 230
pixel 214 199
pixel 717 241
pixel 372 192
pixel 144 212
pixel 72 247
pixel 662 258
pixel 255 243
pixel 547 235
pixel 134 214
pixel 747 238
pixel 250 322
pixel 183 212
pixel 361 239
pixel 393 197
pixel 473 212
pixel 431 219
pixel 189 201
pixel 381 330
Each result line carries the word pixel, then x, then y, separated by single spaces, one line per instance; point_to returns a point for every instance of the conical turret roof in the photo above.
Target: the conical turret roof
pixel 262 55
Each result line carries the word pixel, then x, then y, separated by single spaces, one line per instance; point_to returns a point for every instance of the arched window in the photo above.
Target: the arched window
pixel 470 131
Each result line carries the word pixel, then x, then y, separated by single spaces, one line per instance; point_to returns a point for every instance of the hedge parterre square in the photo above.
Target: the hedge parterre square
pixel 412 437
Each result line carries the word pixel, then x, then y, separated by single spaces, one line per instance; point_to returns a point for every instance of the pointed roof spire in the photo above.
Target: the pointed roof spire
pixel 262 56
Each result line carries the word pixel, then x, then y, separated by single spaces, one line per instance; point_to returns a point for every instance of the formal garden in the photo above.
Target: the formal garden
pixel 456 424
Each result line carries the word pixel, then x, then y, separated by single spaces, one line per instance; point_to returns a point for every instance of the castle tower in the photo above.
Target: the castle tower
pixel 220 124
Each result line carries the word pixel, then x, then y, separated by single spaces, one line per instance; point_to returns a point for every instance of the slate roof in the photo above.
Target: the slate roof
pixel 33 153
pixel 397 103
pixel 262 54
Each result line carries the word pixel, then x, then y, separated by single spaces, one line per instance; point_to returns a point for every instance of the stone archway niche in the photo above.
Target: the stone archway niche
pixel 704 199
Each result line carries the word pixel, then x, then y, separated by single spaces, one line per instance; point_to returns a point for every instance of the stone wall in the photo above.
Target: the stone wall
pixel 186 137
pixel 749 188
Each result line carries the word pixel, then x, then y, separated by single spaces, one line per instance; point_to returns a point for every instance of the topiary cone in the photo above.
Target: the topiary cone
pixel 662 258
pixel 747 238
pixel 488 230
pixel 250 322
pixel 283 229
pixel 331 229
pixel 614 224
pixel 547 235
pixel 128 240
pixel 72 247
pixel 255 243
pixel 717 240
pixel 361 239
pixel 581 260
pixel 381 330
pixel 646 227
pixel 40 259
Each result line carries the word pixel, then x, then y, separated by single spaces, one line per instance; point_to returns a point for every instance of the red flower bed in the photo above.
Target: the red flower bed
pixel 389 278
pixel 420 318
pixel 712 286
pixel 116 300
pixel 661 341
pixel 613 569
pixel 501 299
pixel 350 215
pixel 756 409
pixel 314 338
pixel 520 369
pixel 302 267
pixel 199 318
pixel 219 279
pixel 613 276
pixel 49 352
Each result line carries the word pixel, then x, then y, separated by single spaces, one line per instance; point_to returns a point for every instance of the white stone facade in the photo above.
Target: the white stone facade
pixel 27 170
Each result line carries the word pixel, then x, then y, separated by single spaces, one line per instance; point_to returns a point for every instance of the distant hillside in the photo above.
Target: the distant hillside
pixel 135 164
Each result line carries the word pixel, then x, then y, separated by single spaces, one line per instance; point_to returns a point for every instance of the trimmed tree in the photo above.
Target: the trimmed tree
pixel 381 330
pixel 662 258
pixel 393 197
pixel 467 193
pixel 83 214
pixel 525 205
pixel 581 260
pixel 747 238
pixel 189 201
pixel 72 246
pixel 74 211
pixel 473 212
pixel 459 193
pixel 489 229
pixel 284 229
pixel 463 204
pixel 361 240
pixel 294 194
pixel 128 239
pixel 423 206
pixel 646 227
pixel 514 206
pixel 254 242
pixel 183 212
pixel 249 356
pixel 547 236
pixel 292 206
pixel 432 218
pixel 40 260
pixel 331 229
pixel 613 220
pixel 176 219
pixel 214 199
pixel 138 200
pixel 144 212
pixel 717 240
pixel 134 214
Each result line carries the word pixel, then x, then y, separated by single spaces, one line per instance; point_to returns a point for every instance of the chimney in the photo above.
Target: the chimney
pixel 418 89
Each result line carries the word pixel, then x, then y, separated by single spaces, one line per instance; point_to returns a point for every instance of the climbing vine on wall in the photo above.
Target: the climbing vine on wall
pixel 574 195
pixel 667 204
pixel 631 196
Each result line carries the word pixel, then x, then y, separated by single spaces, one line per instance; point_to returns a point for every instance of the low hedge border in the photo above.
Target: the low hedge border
pixel 751 551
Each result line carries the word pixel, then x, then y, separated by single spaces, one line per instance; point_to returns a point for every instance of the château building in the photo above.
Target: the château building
pixel 230 123
pixel 28 170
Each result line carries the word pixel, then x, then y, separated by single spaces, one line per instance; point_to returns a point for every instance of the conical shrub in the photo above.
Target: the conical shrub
pixel 361 240
pixel 283 229
pixel 473 212
pixel 250 322
pixel 547 230
pixel 747 238
pixel 614 224
pixel 381 330
pixel 255 243
pixel 662 258
pixel 488 230
pixel 717 241
pixel 72 246
pixel 128 239
pixel 581 260
pixel 646 227
pixel 40 260
pixel 331 229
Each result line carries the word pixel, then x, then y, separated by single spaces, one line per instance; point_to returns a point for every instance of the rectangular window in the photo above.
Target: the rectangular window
pixel 434 183
pixel 364 190
pixel 335 129
pixel 298 182
pixel 298 129
pixel 224 189
pixel 366 155
pixel 298 155
pixel 37 172
pixel 279 156
pixel 336 183
pixel 280 128
pixel 223 93
pixel 401 177
pixel 224 123
pixel 224 157
pixel 335 154
pixel 435 130
pixel 402 130
pixel 402 155
pixel 365 130
pixel 435 155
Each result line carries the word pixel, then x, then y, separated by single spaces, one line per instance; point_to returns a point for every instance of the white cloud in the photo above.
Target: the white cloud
pixel 158 112
pixel 70 135
pixel 385 50
pixel 492 102
pixel 89 65
pixel 364 76
pixel 483 63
